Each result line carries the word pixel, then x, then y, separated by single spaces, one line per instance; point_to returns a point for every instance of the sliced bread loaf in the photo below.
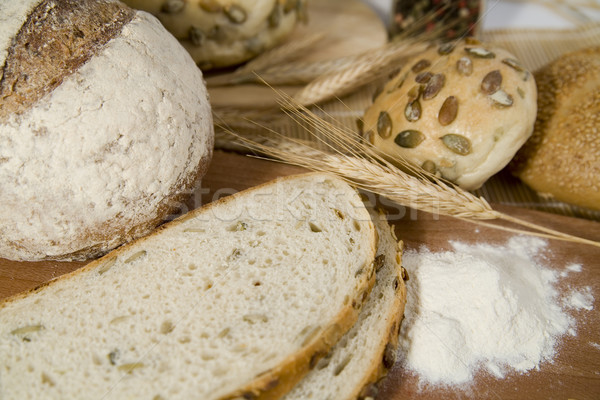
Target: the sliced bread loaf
pixel 368 350
pixel 234 300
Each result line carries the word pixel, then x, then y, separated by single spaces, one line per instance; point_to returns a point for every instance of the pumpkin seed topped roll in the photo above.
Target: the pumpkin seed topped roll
pixel 458 110
pixel 222 33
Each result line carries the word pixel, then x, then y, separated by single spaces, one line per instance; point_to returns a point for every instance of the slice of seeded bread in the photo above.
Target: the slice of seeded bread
pixel 368 350
pixel 234 300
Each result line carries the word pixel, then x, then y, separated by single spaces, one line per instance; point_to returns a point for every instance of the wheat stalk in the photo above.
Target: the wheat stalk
pixel 299 72
pixel 323 79
pixel 360 71
pixel 361 164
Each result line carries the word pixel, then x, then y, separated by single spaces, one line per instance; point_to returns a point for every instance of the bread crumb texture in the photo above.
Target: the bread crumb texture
pixel 235 293
pixel 97 141
pixel 562 158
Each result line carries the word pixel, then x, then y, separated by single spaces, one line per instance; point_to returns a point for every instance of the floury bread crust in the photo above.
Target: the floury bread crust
pixel 235 300
pixel 98 149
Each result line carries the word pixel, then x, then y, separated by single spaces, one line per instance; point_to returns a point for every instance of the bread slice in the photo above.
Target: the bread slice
pixel 233 300
pixel 363 356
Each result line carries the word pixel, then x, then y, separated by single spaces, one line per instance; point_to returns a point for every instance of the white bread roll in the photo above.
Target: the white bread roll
pixel 104 125
pixel 222 33
pixel 460 110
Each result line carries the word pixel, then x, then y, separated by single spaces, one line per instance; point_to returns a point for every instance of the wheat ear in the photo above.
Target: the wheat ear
pixel 361 165
pixel 360 71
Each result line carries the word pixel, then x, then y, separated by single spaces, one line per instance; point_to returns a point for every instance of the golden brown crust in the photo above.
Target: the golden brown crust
pixel 57 38
pixel 562 158
pixel 368 388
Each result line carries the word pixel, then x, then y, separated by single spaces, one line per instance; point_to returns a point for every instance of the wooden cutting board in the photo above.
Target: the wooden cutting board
pixel 575 372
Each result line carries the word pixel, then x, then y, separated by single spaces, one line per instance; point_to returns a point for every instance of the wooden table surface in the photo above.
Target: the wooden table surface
pixel 573 374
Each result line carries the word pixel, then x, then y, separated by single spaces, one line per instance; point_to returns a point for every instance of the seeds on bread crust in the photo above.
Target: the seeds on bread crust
pixel 464 66
pixel 173 6
pixel 491 82
pixel 384 125
pixel 429 166
pixel 515 64
pixel 409 139
pixel 434 86
pixel 423 77
pixel 448 111
pixel 421 65
pixel 196 36
pixel 480 52
pixel 462 86
pixel 446 48
pixel 210 6
pixel 236 14
pixel 412 112
pixel 457 143
pixel 502 99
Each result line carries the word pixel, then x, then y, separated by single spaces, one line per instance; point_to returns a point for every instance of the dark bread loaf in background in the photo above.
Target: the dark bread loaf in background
pixel 105 125
pixel 562 158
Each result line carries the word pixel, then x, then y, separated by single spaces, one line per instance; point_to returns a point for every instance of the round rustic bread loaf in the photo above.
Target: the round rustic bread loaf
pixel 105 125
pixel 562 158
pixel 222 33
pixel 460 110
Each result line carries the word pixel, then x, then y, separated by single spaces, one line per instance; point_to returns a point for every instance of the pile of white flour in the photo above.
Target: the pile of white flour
pixel 483 307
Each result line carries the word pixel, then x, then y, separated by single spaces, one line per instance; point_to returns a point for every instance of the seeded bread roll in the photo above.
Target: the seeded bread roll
pixel 562 158
pixel 460 111
pixel 105 125
pixel 222 33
